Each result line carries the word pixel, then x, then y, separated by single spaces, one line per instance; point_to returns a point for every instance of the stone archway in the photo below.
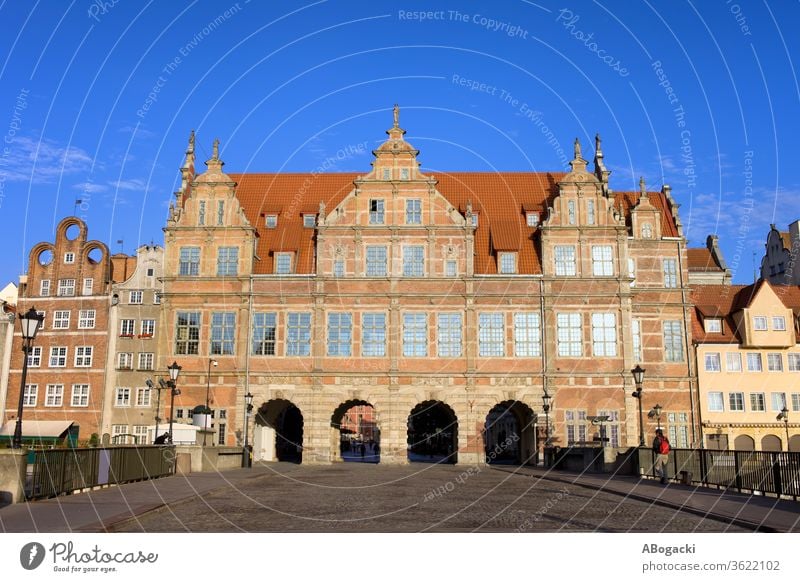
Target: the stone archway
pixel 744 442
pixel 278 433
pixel 794 443
pixel 355 433
pixel 432 433
pixel 509 434
pixel 771 443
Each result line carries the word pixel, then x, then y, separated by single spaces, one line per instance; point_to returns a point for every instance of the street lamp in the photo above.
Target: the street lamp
pixel 546 400
pixel 208 390
pixel 638 378
pixel 657 413
pixel 248 401
pixel 152 387
pixel 174 371
pixel 30 323
pixel 784 416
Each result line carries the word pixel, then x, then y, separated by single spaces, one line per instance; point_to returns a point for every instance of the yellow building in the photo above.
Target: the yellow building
pixel 748 363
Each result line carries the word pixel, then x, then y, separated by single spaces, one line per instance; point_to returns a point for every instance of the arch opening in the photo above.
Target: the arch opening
pixel 432 433
pixel 744 442
pixel 771 443
pixel 509 434
pixel 278 433
pixel 356 434
pixel 72 232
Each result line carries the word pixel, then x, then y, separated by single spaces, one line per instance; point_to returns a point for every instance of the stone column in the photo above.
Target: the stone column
pixel 393 429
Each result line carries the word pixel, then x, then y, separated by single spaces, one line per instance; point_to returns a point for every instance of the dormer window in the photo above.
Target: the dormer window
pixel 309 220
pixel 376 211
pixel 713 325
pixel 283 263
pixel 760 323
pixel 69 258
pixel 404 174
pixel 508 263
pixel 778 323
pixel 647 230
pixel 475 220
pixel 532 218
pixel 271 220
pixel 387 174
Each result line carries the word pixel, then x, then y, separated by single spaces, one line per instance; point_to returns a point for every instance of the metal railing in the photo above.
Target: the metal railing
pixel 759 472
pixel 58 471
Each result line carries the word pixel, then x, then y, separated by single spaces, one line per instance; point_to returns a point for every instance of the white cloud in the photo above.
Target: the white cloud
pixel 90 187
pixel 137 184
pixel 42 161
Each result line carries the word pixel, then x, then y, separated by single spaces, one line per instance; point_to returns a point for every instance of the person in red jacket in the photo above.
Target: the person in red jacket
pixel 661 449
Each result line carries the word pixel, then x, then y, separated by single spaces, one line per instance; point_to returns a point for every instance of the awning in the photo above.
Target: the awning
pixel 37 428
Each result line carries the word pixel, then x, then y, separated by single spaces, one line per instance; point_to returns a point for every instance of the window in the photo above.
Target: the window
pixel 61 320
pixel 119 434
pixel 632 271
pixel 590 212
pixel 734 361
pixel 413 261
pixel 373 334
pixel 387 174
pixel 778 400
pixel 187 333
pixel 415 335
pixel 611 426
pixel 309 221
pixel 736 401
pixel 35 357
pixel 754 362
pixel 760 323
pixel 647 230
pixel 340 334
pixel 565 261
pixel 757 402
pixel 449 335
pixel 713 325
pixel 713 363
pixel 151 272
pixel 54 395
pixel 122 397
pixel 715 402
pixel 450 268
pixel 201 213
pixel 508 263
pixel 88 286
pixel 778 323
pixel 338 268
pixel 135 298
pixel 283 263
pixel 532 218
pixel 86 318
pixel 673 341
pixel 143 397
pixel 571 212
pixel 376 211
pixel 795 402
pixel 140 434
pixel 575 421
pixel 376 261
pixel 298 334
pixel 189 262
pixel 670 273
pixel 227 261
pixel 66 287
pixel 125 361
pixel 223 328
pixel 156 298
pixel 69 258
pixel 146 360
pixel 44 288
pixel 220 212
pixel 80 395
pixel 271 220
pixel 604 334
pixel 221 433
pixel 491 334
pixel 179 413
pixel 569 335
pixel 58 357
pixel 475 219
pixel 636 336
pixel 527 335
pixel 774 362
pixel 29 394
pixel 127 327
pixel 264 330
pixel 602 262
pixel 414 211
pixel 148 327
pixel 83 356
pixel 678 432
pixel 794 362
pixel 404 174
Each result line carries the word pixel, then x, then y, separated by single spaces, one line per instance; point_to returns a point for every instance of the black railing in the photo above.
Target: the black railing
pixel 57 471
pixel 758 472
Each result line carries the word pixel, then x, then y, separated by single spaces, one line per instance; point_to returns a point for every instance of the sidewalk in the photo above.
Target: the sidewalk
pixel 759 513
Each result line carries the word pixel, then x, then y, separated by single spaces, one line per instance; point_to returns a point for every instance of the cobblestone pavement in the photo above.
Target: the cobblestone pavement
pixel 352 497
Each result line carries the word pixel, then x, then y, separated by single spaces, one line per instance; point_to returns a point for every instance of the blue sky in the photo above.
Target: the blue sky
pixel 97 100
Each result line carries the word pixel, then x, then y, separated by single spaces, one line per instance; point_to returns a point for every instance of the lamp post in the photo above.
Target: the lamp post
pixel 657 413
pixel 30 323
pixel 784 416
pixel 152 387
pixel 248 401
pixel 638 378
pixel 174 372
pixel 546 401
pixel 208 391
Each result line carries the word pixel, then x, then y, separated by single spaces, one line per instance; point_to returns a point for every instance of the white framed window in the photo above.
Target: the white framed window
pixel 135 297
pixel 670 273
pixel 338 268
pixel 569 335
pixel 61 320
pixel 189 262
pixel 340 334
pixel 604 334
pixel 122 397
pixel 44 288
pixel 491 334
pixel 271 221
pixel 450 268
pixel 373 334
pixel 201 212
pixel 575 421
pixel 223 331
pixel 754 362
pixel 636 336
pixel 283 263
pixel 298 334
pixel 387 174
pixel 404 173
pixel 309 221
pixel 736 401
pixel 187 333
pixel 778 401
pixel 758 402
pixel 713 325
pixel 713 363
pixel 54 395
pixel 794 362
pixel 376 213
pixel 156 298
pixel 88 286
pixel 264 332
pixel 66 287
pixel 602 261
pixel 448 336
pixel 148 327
pixel 565 260
pixel 673 341
pixel 532 218
pixel 678 429
pixel 30 394
pixel 415 335
pixel 571 212
pixel 413 261
pixel 228 261
pixel 127 327
pixel 647 230
pixel 146 360
pixel 414 211
pixel 80 395
pixel 143 397
pixel 58 357
pixel 527 335
pixel 590 218
pixel 119 434
pixel 508 263
pixel 376 261
pixel 733 361
pixel 35 357
pixel 716 402
pixel 778 323
pixel 760 323
pixel 775 362
pixel 125 361
pixel 795 402
pixel 475 219
pixel 83 356
pixel 86 318
pixel 69 258
pixel 140 434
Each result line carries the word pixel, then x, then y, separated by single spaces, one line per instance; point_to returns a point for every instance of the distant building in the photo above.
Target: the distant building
pixel 779 265
pixel 706 264
pixel 7 323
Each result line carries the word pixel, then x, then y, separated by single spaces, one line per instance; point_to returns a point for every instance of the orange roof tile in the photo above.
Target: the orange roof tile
pixel 628 200
pixel 701 259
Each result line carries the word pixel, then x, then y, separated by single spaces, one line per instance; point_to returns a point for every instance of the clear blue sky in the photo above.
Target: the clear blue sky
pixel 289 85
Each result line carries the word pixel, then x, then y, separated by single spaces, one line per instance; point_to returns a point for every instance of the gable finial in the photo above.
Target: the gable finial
pixel 190 148
pixel 597 148
pixel 577 147
pixel 396 113
pixel 642 187
pixel 215 150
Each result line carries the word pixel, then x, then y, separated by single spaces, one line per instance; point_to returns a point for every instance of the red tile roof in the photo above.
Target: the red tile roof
pixel 701 259
pixel 627 200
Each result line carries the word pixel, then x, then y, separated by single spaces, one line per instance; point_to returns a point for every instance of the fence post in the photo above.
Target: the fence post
pixel 736 467
pixel 703 466
pixel 776 474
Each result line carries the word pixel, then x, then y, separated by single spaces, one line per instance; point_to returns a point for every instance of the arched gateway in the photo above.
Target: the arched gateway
pixel 432 433
pixel 278 432
pixel 355 433
pixel 509 435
